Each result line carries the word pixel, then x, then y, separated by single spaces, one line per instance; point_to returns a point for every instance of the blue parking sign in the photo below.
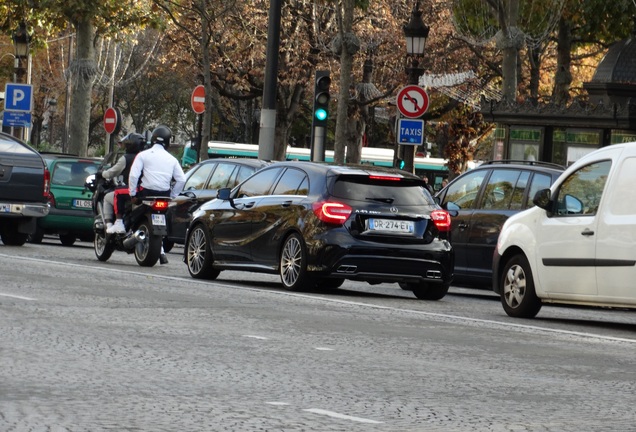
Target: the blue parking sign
pixel 18 97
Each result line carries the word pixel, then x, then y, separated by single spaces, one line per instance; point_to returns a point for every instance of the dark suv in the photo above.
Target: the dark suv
pixel 317 225
pixel 484 198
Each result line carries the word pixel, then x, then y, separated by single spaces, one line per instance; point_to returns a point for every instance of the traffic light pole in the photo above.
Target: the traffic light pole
pixel 318 144
pixel 321 114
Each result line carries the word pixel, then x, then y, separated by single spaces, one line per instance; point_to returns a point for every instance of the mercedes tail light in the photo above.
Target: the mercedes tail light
pixel 332 212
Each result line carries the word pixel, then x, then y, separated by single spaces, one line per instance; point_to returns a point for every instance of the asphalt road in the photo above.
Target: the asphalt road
pixel 91 346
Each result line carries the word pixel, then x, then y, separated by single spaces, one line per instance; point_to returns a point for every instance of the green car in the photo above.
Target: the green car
pixel 71 213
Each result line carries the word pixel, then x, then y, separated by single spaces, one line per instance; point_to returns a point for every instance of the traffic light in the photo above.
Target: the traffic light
pixel 399 163
pixel 321 98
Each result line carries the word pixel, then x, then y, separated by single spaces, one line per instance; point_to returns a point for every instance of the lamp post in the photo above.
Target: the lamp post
pixel 21 41
pixel 52 111
pixel 416 33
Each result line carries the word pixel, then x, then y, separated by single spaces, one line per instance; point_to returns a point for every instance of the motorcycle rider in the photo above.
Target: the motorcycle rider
pixel 132 143
pixel 155 172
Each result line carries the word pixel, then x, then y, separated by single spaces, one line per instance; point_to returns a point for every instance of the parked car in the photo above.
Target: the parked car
pixel 577 245
pixel 202 182
pixel 484 198
pixel 71 214
pixel 317 225
pixel 24 189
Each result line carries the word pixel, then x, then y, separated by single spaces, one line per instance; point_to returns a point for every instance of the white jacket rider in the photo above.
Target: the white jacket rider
pixel 155 172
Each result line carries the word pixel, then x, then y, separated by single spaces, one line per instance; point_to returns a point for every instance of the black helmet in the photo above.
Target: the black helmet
pixel 134 142
pixel 161 135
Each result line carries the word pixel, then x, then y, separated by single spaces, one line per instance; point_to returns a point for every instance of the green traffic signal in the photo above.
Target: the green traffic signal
pixel 321 114
pixel 400 163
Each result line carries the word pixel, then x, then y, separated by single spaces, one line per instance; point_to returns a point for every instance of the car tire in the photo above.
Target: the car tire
pixel 13 238
pixel 199 256
pixel 167 245
pixel 103 248
pixel 428 291
pixel 293 264
pixel 36 237
pixel 67 239
pixel 148 250
pixel 518 296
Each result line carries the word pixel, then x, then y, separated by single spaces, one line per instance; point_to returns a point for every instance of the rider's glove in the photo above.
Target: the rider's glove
pixel 98 175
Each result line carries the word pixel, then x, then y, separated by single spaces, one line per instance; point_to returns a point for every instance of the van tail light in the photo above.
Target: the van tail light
pixel 46 187
pixel 442 220
pixel 332 212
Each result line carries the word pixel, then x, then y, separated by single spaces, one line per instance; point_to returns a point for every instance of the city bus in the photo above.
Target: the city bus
pixel 434 168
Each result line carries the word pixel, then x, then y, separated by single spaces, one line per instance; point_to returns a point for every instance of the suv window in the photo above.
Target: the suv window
pixel 539 181
pixel 464 191
pixel 198 178
pixel 363 188
pixel 500 190
pixel 580 193
pixel 221 175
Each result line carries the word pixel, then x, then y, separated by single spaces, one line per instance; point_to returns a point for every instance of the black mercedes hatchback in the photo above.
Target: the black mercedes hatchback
pixel 318 225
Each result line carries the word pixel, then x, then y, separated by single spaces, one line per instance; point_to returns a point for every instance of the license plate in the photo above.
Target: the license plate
pixel 82 203
pixel 159 219
pixel 391 225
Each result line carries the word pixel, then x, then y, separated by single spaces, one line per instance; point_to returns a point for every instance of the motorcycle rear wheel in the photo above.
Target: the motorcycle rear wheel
pixel 103 248
pixel 147 251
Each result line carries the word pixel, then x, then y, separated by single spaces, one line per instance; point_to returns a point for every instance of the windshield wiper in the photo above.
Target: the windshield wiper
pixel 384 200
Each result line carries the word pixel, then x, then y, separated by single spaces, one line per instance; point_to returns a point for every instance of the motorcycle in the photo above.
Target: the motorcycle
pixel 145 226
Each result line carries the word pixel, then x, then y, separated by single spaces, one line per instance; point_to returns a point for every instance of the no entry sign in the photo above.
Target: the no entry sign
pixel 112 121
pixel 198 99
pixel 412 101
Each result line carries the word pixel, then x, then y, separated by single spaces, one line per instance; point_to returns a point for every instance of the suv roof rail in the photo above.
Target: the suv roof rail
pixel 524 162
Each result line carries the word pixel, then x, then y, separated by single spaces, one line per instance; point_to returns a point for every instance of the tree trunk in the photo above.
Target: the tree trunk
pixel 563 76
pixel 346 67
pixel 510 47
pixel 83 71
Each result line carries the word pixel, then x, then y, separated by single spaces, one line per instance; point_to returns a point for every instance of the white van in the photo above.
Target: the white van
pixel 578 244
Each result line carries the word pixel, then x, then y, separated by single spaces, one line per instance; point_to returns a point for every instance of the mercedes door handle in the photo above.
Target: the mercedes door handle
pixel 462 226
pixel 587 232
pixel 287 203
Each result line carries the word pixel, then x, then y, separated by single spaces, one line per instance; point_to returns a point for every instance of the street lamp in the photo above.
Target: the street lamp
pixel 21 41
pixel 416 33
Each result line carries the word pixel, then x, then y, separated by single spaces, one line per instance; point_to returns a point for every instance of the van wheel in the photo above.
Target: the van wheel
pixel 518 296
pixel 199 256
pixel 293 264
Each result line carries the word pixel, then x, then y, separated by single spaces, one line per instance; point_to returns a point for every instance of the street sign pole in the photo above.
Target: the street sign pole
pixel 412 102
pixel 198 106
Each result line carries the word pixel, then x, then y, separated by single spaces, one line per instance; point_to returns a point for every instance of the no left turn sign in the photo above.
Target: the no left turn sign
pixel 412 101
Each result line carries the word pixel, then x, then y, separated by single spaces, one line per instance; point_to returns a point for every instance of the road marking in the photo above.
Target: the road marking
pixel 340 416
pixel 323 349
pixel 505 325
pixel 255 337
pixel 277 403
pixel 17 297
